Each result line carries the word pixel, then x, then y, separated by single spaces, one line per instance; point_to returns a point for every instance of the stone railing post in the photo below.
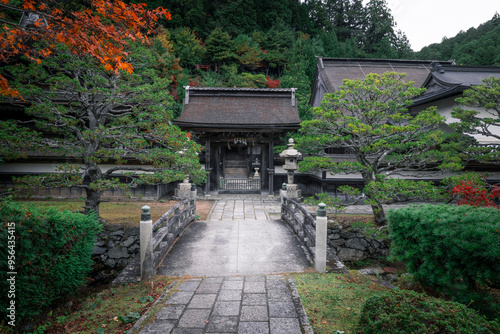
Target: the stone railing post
pixel 146 242
pixel 283 193
pixel 193 191
pixel 321 234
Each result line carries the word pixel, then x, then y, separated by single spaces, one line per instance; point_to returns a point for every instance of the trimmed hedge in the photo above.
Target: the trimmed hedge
pixel 52 254
pixel 403 311
pixel 453 249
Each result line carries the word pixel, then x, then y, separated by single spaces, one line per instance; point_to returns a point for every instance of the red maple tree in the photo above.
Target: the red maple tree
pixel 84 32
pixel 270 83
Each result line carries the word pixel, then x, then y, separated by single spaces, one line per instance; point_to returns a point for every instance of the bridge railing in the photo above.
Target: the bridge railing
pixel 158 237
pixel 170 225
pixel 303 224
pixel 312 234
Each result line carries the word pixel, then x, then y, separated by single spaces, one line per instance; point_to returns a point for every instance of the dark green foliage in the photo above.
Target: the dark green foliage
pixel 476 46
pixel 185 13
pixel 295 77
pixel 369 117
pixel 297 73
pixel 188 48
pixel 411 312
pixel 248 52
pixel 452 249
pixel 270 12
pixel 346 28
pixel 379 26
pixel 279 46
pixel 267 36
pixel 219 47
pixel 53 252
pixel 330 44
pixel 236 16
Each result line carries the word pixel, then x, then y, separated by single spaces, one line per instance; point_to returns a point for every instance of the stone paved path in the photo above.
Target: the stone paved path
pixel 250 207
pixel 240 257
pixel 241 304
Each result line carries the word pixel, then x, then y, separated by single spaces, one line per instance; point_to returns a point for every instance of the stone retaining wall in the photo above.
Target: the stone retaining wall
pixel 114 248
pixel 351 245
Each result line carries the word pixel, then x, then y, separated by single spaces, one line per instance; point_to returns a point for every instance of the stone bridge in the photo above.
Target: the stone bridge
pixel 243 235
pixel 234 268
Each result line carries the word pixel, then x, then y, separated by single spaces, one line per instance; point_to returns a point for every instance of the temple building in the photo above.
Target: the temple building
pixel 239 128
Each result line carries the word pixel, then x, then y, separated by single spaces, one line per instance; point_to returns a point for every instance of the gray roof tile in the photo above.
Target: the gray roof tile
pixel 337 69
pixel 233 107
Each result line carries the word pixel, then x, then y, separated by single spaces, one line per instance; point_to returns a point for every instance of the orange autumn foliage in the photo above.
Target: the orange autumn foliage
pixel 84 32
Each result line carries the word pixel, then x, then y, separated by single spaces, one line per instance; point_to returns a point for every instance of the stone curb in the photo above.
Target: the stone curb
pixel 139 322
pixel 303 319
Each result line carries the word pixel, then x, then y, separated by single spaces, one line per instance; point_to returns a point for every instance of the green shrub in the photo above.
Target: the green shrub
pixel 403 311
pixel 452 249
pixel 53 254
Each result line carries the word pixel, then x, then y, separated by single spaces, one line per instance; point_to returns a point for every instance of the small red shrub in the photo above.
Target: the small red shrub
pixel 470 194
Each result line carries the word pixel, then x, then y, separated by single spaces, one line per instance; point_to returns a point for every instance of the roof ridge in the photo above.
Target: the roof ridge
pixel 244 89
pixel 379 60
pixel 470 68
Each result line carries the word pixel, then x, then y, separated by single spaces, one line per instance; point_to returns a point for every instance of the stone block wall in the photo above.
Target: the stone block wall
pixel 351 245
pixel 115 247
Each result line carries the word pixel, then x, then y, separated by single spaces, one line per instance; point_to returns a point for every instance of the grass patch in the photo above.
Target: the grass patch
pixel 111 310
pixel 334 301
pixel 125 213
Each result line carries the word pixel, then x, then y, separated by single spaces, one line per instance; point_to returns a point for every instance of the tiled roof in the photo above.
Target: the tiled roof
pixel 331 72
pixel 467 76
pixel 240 89
pixel 447 80
pixel 239 107
pixel 335 70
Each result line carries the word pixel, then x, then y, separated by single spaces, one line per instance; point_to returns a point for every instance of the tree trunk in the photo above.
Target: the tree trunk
pixel 378 210
pixel 379 214
pixel 92 201
pixel 93 195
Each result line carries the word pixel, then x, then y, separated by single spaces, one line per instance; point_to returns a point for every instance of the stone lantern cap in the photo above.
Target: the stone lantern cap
pixel 290 152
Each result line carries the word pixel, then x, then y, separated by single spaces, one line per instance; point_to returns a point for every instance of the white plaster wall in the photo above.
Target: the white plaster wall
pixel 445 107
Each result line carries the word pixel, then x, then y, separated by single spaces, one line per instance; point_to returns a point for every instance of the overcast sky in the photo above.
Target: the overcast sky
pixel 427 21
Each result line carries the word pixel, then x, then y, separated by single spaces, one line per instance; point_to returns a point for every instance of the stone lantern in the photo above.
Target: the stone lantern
pixel 184 189
pixel 291 156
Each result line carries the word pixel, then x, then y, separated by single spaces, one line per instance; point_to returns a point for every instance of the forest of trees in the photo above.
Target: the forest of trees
pixel 258 43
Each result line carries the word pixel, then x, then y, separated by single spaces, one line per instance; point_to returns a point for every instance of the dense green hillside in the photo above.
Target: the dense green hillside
pixel 476 46
pixel 260 43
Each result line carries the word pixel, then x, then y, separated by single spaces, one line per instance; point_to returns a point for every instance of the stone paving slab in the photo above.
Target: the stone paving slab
pixel 235 247
pixel 252 311
pixel 236 207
